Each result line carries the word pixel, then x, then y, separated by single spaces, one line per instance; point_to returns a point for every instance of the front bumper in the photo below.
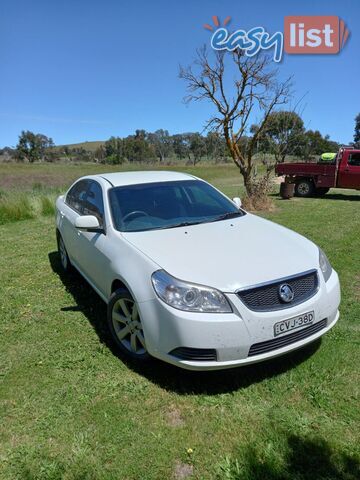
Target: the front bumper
pixel 232 334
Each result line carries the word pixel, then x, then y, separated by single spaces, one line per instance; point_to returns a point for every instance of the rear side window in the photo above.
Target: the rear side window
pixel 77 195
pixel 354 159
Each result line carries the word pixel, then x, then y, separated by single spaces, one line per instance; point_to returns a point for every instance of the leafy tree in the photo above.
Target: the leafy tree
pixel 197 147
pixel 330 145
pixel 162 143
pixel 114 150
pixel 281 133
pixel 357 131
pixel 215 146
pixel 140 134
pixel 32 146
pixel 312 143
pixel 137 147
pixel 100 154
pixel 181 146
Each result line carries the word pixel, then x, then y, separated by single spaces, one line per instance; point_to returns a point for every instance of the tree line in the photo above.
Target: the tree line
pixel 239 89
pixel 284 136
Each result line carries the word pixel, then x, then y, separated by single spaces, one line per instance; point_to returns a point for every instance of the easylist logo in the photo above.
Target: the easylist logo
pixel 302 34
pixel 314 34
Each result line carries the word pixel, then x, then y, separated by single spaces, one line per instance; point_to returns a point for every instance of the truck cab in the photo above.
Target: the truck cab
pixel 348 169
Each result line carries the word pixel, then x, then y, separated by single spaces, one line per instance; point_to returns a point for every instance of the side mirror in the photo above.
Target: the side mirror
pixel 89 223
pixel 237 202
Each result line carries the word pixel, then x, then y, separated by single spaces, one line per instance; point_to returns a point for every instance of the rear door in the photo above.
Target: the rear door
pixel 349 171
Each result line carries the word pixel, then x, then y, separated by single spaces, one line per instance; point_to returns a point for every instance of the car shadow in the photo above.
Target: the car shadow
pixel 165 375
pixel 304 458
pixel 340 196
pixel 328 196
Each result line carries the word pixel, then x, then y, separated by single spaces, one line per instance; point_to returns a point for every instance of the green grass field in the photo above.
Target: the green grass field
pixel 71 409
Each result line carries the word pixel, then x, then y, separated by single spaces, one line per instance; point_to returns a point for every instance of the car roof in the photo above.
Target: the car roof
pixel 117 179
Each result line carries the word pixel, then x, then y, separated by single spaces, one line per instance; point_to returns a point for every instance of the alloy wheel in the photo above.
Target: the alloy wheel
pixel 63 254
pixel 127 325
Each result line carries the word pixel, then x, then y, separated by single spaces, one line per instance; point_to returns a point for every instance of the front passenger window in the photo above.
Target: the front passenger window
pixel 93 203
pixel 76 196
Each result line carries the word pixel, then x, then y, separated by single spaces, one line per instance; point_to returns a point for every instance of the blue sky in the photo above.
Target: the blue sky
pixel 85 70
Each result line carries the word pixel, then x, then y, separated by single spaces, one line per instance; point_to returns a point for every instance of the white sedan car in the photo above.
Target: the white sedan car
pixel 188 276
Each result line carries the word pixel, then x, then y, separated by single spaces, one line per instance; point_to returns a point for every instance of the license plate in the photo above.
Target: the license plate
pixel 293 323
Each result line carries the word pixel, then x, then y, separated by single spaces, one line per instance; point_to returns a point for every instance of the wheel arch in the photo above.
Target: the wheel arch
pixel 302 178
pixel 58 235
pixel 118 284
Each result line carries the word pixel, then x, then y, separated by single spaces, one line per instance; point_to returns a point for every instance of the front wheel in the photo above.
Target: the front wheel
pixel 64 257
pixel 125 325
pixel 305 188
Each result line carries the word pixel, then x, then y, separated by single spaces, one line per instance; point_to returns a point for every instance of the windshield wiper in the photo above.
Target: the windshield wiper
pixel 181 224
pixel 188 224
pixel 227 215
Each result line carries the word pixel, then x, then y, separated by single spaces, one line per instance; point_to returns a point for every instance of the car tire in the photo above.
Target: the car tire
pixel 64 257
pixel 321 191
pixel 125 326
pixel 304 188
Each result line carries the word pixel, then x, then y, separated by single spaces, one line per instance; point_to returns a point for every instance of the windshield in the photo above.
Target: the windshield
pixel 159 205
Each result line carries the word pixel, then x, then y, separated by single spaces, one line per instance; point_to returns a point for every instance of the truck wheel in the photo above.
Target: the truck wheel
pixel 321 191
pixel 305 188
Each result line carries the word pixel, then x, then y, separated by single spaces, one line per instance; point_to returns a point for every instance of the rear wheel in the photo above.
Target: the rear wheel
pixel 305 188
pixel 125 325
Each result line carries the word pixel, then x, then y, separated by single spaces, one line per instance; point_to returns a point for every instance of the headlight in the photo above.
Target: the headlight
pixel 188 296
pixel 325 266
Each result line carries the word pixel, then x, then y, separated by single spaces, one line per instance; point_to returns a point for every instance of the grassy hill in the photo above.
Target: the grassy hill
pixel 89 146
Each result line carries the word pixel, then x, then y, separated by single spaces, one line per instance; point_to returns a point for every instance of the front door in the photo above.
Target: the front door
pixel 71 209
pixel 349 174
pixel 92 258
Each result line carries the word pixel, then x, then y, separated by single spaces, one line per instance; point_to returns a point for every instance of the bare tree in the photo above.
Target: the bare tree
pixel 254 90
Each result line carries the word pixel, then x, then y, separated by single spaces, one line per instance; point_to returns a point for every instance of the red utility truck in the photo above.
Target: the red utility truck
pixel 317 178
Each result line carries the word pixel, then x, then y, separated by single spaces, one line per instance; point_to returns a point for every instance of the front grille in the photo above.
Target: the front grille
pixel 195 354
pixel 269 345
pixel 266 297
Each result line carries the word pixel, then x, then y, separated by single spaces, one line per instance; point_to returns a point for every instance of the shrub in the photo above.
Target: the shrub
pixel 14 209
pixel 261 203
pixel 47 206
